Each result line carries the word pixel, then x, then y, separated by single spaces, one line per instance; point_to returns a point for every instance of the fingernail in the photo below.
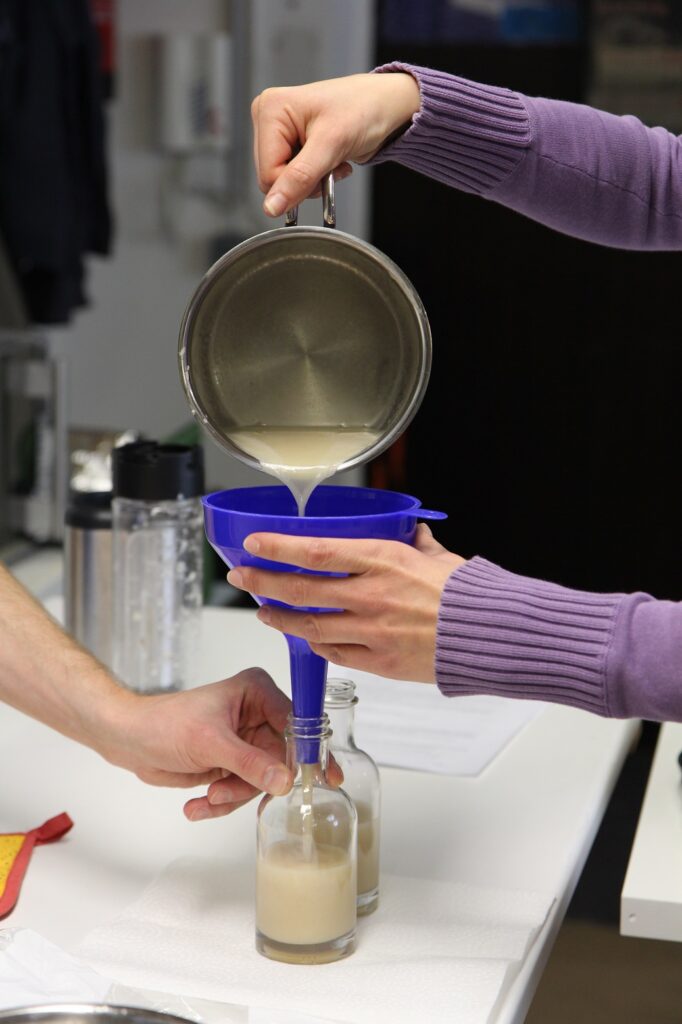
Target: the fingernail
pixel 252 545
pixel 235 577
pixel 275 204
pixel 264 615
pixel 200 813
pixel 277 781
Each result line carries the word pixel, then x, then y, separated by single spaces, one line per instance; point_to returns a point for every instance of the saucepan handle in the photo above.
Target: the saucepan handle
pixel 328 206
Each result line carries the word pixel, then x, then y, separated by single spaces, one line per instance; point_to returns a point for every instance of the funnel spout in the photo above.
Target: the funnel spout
pixel 308 682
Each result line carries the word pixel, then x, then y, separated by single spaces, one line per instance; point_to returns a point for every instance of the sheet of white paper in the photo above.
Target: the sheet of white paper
pixel 411 725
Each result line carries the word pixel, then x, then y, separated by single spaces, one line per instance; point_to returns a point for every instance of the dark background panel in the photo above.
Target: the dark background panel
pixel 551 426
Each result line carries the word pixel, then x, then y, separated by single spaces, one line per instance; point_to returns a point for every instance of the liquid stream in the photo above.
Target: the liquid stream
pixel 319 830
pixel 302 457
pixel 307 886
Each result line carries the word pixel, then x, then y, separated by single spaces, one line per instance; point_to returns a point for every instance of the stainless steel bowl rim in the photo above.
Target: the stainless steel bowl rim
pixel 305 232
pixel 62 1011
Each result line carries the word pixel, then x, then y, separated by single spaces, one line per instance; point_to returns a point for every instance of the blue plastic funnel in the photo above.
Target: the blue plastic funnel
pixel 361 512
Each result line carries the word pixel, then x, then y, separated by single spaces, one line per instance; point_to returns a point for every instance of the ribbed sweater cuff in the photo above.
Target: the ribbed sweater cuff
pixel 467 135
pixel 508 635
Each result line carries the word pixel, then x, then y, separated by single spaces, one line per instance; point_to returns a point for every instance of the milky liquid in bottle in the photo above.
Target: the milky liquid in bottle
pixel 304 901
pixel 368 849
pixel 306 878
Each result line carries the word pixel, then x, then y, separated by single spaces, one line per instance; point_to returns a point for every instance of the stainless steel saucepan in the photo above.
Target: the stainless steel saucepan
pixel 305 327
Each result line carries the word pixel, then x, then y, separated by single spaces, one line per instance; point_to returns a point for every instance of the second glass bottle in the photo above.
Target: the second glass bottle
pixel 362 783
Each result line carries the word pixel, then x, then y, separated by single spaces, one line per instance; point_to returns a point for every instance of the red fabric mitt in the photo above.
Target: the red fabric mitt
pixel 15 853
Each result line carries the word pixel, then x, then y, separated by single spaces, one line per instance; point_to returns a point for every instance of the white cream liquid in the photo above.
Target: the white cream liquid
pixel 305 902
pixel 368 849
pixel 367 846
pixel 302 457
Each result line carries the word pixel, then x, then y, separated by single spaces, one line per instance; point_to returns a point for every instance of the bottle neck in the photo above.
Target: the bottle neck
pixel 342 722
pixel 307 748
pixel 340 701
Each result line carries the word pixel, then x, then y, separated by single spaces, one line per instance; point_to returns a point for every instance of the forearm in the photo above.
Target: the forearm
pixel 615 655
pixel 582 171
pixel 45 674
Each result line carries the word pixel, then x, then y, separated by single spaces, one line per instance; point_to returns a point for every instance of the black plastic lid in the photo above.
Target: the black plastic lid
pixel 89 510
pixel 148 471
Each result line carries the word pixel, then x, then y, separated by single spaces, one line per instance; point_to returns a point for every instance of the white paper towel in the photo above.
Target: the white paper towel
pixel 34 971
pixel 434 950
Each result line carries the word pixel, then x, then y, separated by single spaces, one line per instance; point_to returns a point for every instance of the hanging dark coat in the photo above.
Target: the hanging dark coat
pixel 53 187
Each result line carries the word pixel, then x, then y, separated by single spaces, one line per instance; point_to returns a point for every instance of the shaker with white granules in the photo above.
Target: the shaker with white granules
pixel 157 563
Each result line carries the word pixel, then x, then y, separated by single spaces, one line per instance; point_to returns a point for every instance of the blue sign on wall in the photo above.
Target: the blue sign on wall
pixel 500 22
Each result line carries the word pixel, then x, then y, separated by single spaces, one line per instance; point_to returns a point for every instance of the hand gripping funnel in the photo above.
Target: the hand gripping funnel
pixel 360 512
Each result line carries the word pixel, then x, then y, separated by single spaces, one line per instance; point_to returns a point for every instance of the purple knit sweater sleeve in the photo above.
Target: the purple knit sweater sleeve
pixel 582 171
pixel 613 654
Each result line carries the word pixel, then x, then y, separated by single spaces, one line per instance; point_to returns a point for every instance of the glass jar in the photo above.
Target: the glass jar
pixel 306 858
pixel 362 783
pixel 158 544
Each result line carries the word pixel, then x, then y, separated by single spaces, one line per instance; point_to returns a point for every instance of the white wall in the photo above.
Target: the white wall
pixel 122 350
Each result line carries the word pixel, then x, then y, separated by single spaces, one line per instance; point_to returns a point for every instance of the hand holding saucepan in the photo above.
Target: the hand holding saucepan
pixel 303 132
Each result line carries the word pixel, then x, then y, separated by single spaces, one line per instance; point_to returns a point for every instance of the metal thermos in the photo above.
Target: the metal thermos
pixel 88 571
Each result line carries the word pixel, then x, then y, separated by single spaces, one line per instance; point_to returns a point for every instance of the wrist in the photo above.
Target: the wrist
pixel 398 99
pixel 105 716
pixel 402 101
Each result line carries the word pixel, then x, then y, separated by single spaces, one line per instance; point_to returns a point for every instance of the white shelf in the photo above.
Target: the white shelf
pixel 651 900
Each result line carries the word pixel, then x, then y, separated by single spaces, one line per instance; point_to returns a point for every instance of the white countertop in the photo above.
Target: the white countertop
pixel 651 899
pixel 526 822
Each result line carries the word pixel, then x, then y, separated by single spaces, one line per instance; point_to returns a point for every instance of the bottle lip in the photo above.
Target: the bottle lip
pixel 308 728
pixel 340 693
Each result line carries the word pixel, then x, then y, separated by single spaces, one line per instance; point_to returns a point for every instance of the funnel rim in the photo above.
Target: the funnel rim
pixel 409 509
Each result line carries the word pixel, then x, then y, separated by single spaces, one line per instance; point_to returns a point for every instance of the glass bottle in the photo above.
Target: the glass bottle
pixel 306 858
pixel 362 783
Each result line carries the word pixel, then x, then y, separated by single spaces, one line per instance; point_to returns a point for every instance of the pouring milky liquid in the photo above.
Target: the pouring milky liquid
pixel 302 457
pixel 306 887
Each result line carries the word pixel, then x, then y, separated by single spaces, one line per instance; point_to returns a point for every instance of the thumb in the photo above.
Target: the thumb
pixel 426 543
pixel 254 765
pixel 301 176
pixel 263 693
